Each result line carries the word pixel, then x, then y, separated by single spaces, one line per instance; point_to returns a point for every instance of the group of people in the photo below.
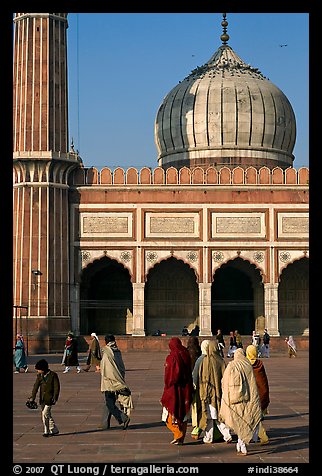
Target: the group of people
pixel 117 395
pixel 262 345
pixel 220 399
pixel 194 332
pixel 235 342
pixel 70 355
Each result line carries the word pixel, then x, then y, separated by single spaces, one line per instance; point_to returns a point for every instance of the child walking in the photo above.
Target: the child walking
pixel 48 383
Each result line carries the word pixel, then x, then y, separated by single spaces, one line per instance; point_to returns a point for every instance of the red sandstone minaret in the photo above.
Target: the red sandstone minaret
pixel 42 165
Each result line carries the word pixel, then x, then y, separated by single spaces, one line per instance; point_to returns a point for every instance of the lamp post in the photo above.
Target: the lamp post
pixel 36 273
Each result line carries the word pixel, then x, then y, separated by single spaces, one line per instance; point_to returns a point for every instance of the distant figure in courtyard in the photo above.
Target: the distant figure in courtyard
pixel 94 354
pixel 185 331
pixel 47 382
pixel 256 340
pixel 291 346
pixel 232 344
pixel 265 345
pixel 20 358
pixel 70 357
pixel 240 407
pixel 221 342
pixel 194 349
pixel 195 331
pixel 239 341
pixel 263 388
pixel 177 393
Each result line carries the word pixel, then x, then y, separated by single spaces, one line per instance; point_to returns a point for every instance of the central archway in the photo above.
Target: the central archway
pixel 237 297
pixel 171 297
pixel 106 298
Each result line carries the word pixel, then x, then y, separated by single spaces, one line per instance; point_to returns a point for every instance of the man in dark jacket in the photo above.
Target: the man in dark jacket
pixel 48 383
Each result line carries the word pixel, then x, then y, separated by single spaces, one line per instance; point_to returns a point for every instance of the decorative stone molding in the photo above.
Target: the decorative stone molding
pixel 258 258
pixel 122 256
pixel 218 256
pixel 151 256
pixel 286 257
pixel 191 257
pixel 126 256
pixel 244 224
pixel 106 225
pixel 172 225
pixel 85 256
pixel 293 225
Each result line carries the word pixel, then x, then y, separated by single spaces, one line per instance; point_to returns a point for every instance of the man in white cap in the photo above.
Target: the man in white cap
pixel 94 354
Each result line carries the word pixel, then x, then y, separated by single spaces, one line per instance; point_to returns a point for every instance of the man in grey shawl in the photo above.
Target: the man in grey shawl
pixel 113 384
pixel 240 407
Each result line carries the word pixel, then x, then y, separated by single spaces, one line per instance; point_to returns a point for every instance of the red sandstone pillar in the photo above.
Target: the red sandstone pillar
pixel 42 166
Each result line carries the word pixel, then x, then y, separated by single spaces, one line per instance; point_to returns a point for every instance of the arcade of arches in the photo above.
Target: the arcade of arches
pixel 171 298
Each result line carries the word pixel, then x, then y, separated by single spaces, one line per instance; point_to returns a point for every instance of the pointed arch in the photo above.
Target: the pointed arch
pixel 106 297
pixel 293 298
pixel 237 297
pixel 171 297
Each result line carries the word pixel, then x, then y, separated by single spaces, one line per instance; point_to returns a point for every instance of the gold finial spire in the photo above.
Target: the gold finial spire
pixel 224 37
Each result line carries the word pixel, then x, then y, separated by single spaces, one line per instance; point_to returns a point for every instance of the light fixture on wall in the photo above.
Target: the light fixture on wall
pixel 35 272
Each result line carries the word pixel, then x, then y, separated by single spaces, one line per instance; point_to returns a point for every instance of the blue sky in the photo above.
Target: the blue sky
pixel 121 65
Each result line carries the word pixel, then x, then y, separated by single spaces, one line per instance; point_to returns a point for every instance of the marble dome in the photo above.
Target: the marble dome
pixel 225 113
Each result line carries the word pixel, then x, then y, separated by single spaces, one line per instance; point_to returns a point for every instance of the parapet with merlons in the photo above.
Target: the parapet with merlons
pixel 190 176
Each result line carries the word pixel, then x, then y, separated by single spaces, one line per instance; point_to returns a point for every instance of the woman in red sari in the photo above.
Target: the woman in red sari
pixel 177 394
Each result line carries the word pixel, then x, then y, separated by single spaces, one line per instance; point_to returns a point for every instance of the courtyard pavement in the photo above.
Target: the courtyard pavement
pixel 147 440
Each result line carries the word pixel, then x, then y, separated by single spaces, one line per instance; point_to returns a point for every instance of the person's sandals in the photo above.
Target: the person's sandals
pixel 176 442
pixel 126 422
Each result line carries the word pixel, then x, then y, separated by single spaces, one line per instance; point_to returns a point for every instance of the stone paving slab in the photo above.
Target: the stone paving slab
pixel 147 440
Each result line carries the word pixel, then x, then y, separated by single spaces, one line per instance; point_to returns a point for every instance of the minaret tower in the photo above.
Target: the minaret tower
pixel 42 165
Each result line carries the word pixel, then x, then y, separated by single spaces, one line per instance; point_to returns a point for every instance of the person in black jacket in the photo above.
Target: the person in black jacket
pixel 48 383
pixel 70 357
pixel 266 339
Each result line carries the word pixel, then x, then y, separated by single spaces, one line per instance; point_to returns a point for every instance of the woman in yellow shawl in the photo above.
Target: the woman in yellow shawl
pixel 240 407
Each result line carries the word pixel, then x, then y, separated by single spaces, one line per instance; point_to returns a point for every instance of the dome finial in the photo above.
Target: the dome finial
pixel 224 37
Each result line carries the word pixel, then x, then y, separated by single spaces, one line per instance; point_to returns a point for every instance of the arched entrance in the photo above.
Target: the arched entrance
pixel 293 299
pixel 106 298
pixel 171 297
pixel 237 297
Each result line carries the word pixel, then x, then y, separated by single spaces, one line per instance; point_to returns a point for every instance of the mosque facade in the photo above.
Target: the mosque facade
pixel 215 236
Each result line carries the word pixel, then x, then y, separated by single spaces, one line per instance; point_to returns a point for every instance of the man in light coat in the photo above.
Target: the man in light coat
pixel 113 384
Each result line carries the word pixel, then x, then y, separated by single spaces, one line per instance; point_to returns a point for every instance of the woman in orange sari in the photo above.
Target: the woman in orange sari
pixel 177 394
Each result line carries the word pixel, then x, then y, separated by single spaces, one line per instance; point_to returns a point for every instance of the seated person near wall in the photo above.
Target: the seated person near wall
pixel 195 331
pixel 185 331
